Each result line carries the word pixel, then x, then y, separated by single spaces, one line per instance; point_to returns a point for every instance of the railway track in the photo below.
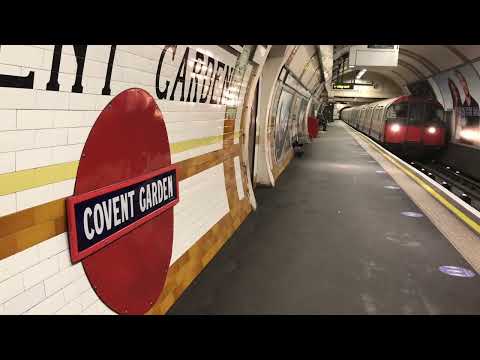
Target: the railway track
pixel 452 179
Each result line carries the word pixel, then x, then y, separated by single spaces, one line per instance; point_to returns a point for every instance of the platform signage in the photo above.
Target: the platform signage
pixel 99 217
pixel 346 86
pixel 381 46
pixel 120 217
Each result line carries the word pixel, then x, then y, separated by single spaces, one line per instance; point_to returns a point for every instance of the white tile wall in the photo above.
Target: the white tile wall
pixel 50 137
pixel 40 272
pixel 238 177
pixel 16 140
pixel 203 203
pixel 87 298
pixel 63 189
pixel 78 135
pixel 83 101
pixel 34 119
pixel 72 308
pixel 48 306
pixel 42 77
pixel 17 263
pixel 51 100
pixel 11 287
pixel 8 204
pixel 63 278
pixel 26 300
pixel 33 197
pixel 11 70
pixel 40 128
pixel 76 288
pixel 53 246
pixel 22 55
pixel 66 153
pixel 29 159
pixel 8 120
pixel 17 98
pixel 74 118
pixel 64 259
pixel 7 162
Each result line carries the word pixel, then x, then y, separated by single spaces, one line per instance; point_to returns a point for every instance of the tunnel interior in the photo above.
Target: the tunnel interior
pixel 161 179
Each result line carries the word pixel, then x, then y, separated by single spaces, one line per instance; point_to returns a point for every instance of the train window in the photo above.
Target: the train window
pixel 397 111
pixel 416 113
pixel 434 113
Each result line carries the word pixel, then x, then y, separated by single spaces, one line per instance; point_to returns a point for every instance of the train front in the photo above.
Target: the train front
pixel 415 127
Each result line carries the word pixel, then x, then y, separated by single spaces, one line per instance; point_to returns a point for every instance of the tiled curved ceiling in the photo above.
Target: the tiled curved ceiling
pixel 417 62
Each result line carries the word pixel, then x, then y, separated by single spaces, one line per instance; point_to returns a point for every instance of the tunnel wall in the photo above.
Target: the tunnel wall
pixel 42 134
pixel 385 88
pixel 462 153
pixel 295 80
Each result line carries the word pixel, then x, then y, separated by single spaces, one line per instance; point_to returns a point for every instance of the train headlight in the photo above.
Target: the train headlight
pixel 395 128
pixel 432 130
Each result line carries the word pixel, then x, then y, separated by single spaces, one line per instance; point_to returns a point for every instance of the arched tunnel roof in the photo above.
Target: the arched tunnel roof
pixel 419 62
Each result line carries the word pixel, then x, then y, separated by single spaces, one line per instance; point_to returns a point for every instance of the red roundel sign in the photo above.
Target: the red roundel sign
pixel 120 218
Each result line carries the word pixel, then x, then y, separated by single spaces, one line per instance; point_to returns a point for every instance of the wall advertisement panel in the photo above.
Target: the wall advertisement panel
pixel 460 90
pixel 282 116
pixel 301 116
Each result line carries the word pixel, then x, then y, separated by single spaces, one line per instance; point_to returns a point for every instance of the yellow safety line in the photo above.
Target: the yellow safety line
pixel 466 219
pixel 31 178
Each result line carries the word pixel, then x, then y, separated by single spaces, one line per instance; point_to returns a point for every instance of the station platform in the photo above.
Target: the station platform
pixel 334 237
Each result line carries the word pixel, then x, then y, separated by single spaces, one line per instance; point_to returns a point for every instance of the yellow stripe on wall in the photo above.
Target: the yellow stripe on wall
pixel 181 146
pixel 28 179
pixel 31 178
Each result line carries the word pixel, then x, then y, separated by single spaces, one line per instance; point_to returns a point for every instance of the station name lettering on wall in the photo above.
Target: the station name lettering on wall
pixel 197 74
pixel 99 217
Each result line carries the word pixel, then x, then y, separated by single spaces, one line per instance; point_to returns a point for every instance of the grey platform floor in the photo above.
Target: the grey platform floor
pixel 330 239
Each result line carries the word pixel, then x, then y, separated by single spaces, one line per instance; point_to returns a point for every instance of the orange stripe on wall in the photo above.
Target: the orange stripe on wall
pixel 29 227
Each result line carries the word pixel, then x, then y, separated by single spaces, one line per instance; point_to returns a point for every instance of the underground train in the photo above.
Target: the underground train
pixel 407 125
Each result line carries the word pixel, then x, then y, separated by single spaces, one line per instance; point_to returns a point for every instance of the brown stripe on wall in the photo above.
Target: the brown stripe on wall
pixel 29 227
pixel 191 263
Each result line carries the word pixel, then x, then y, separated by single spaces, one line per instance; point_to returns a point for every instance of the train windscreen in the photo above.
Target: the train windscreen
pixel 416 114
pixel 420 114
pixel 434 113
pixel 397 112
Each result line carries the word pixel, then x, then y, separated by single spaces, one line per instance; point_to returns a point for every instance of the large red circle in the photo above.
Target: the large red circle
pixel 128 139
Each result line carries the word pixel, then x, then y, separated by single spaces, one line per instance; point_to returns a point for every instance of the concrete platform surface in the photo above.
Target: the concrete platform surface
pixel 330 238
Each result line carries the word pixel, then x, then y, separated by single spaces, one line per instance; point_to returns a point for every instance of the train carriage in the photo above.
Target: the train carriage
pixel 408 125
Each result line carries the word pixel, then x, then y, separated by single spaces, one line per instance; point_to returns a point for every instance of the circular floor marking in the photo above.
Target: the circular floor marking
pixel 392 187
pixel 412 214
pixel 456 271
pixel 380 172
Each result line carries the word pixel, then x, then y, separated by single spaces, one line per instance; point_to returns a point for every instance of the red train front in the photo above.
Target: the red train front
pixel 414 126
pixel 407 125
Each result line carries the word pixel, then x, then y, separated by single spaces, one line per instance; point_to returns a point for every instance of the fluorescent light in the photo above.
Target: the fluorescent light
pixel 360 74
